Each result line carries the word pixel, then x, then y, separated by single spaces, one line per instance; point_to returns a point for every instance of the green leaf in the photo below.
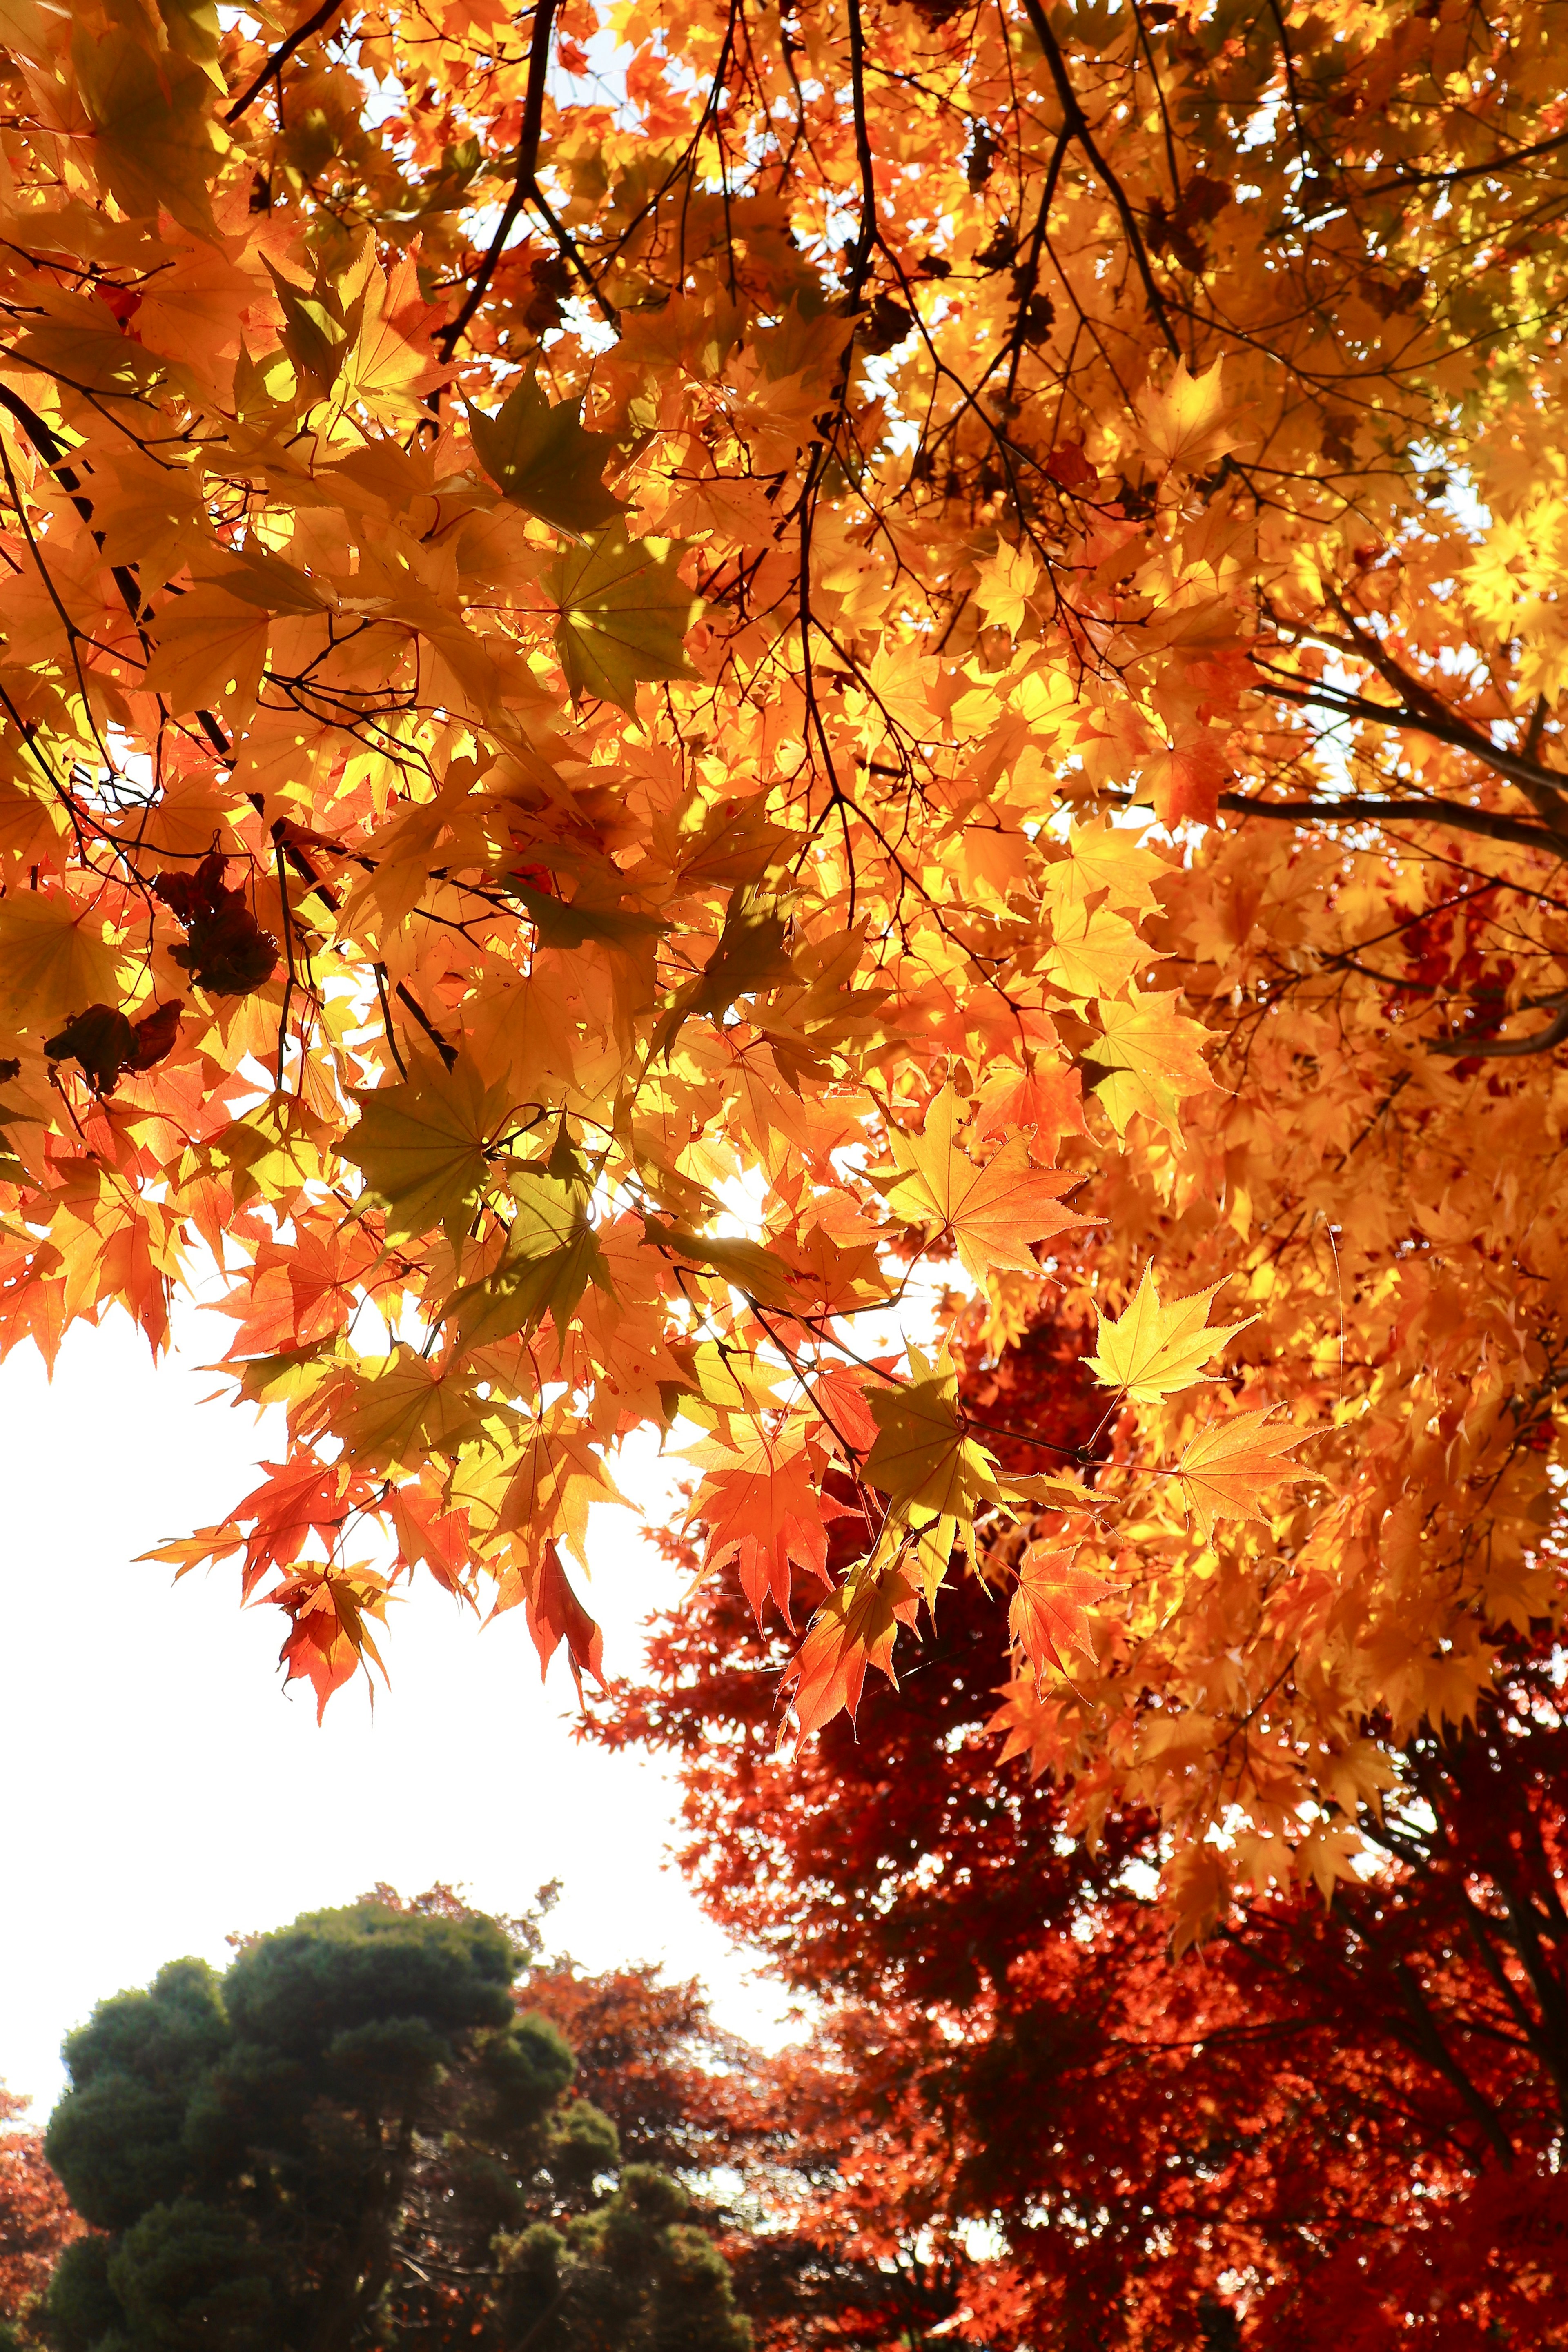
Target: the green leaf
pixel 425 1146
pixel 316 334
pixel 748 959
pixel 542 456
pixel 571 923
pixel 751 1268
pixel 924 1461
pixel 624 613
pixel 552 1254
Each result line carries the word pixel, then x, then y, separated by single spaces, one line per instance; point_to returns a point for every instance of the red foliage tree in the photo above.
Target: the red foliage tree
pixel 1340 2121
pixel 36 2217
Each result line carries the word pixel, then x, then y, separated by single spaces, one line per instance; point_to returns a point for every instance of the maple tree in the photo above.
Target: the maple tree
pixel 359 2139
pixel 36 2217
pixel 590 599
pixel 1340 2118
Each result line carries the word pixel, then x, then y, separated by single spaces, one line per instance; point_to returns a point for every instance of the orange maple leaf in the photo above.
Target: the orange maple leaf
pixel 1050 1611
pixel 855 1628
pixel 556 1615
pixel 763 1509
pixel 1230 1465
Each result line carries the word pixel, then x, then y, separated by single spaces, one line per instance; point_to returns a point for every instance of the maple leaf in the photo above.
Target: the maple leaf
pixel 924 1460
pixel 552 1253
pixel 623 614
pixel 993 1210
pixel 1049 1610
pixel 539 454
pixel 1154 1056
pixel 209 648
pixel 425 1146
pixel 1187 424
pixel 748 959
pixel 572 923
pixel 154 139
pixel 391 1412
pixel 54 960
pixel 760 1504
pixel 747 1265
pixel 844 1401
pixel 556 1615
pixel 1225 1471
pixel 1046 1099
pixel 1186 781
pixel 855 1628
pixel 1152 1349
pixel 330 1614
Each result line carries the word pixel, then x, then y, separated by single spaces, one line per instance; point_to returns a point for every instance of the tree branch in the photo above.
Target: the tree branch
pixel 1518 769
pixel 525 189
pixel 1355 810
pixel 1494 1049
pixel 1464 171
pixel 1079 125
pixel 281 55
pixel 860 253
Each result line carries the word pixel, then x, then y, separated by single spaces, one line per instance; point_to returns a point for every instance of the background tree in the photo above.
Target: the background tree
pixel 353 2142
pixel 35 2218
pixel 1339 2118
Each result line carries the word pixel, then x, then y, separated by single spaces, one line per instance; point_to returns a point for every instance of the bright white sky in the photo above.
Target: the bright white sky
pixel 163 1790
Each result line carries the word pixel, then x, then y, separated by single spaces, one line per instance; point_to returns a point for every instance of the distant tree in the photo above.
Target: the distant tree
pixel 1340 2122
pixel 356 2142
pixel 36 2219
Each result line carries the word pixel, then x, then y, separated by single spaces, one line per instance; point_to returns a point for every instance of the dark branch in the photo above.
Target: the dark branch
pixel 1429 720
pixel 1494 1049
pixel 1077 124
pixel 281 55
pixel 860 253
pixel 1464 171
pixel 1355 810
pixel 525 189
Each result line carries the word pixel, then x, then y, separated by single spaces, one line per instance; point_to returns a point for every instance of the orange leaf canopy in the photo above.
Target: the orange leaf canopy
pixel 635 701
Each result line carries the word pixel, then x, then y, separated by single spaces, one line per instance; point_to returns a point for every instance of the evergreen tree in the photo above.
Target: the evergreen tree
pixel 354 2142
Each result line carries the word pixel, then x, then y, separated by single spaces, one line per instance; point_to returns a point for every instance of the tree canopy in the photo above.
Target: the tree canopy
pixel 355 2141
pixel 1339 2122
pixel 666 671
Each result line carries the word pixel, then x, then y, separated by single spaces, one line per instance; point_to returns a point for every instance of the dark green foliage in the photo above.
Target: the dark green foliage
pixel 631 2277
pixel 353 2143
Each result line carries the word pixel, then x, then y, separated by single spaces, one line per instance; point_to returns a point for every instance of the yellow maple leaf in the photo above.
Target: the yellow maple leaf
pixel 1154 1348
pixel 54 961
pixel 1187 424
pixel 1154 1056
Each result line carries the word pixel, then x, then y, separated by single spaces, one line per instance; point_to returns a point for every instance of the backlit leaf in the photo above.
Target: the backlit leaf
pixel 1153 1348
pixel 623 614
pixel 993 1211
pixel 539 453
